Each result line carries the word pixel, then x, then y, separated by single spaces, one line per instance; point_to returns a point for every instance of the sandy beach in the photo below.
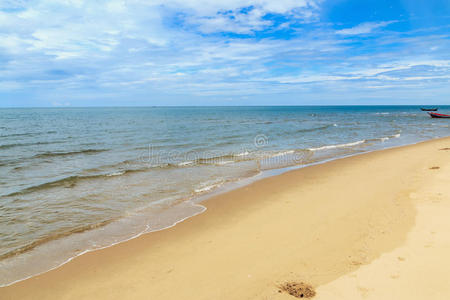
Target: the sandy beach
pixel 372 226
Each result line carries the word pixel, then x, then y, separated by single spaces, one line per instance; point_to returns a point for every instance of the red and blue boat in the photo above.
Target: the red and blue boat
pixel 436 115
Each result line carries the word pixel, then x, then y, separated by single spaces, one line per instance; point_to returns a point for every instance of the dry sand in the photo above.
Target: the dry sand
pixel 370 226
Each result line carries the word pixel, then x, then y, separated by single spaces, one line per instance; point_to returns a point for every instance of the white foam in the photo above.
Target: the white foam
pixel 185 163
pixel 384 139
pixel 116 173
pixel 220 163
pixel 243 154
pixel 337 146
pixel 207 188
pixel 283 153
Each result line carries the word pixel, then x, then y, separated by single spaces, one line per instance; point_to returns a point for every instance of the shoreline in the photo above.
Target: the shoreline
pixel 196 201
pixel 214 203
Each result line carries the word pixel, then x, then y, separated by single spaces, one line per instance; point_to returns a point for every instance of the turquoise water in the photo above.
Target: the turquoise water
pixel 74 179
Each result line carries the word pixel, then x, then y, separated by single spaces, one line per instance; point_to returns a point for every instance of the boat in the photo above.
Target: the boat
pixel 436 115
pixel 429 109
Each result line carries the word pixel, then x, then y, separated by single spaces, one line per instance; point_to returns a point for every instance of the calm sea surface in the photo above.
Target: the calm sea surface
pixel 75 179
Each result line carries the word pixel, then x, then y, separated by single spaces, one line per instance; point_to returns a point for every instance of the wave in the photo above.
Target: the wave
pixel 382 139
pixel 283 153
pixel 214 160
pixel 155 163
pixel 224 159
pixel 327 147
pixel 122 168
pixel 70 153
pixel 115 174
pixel 317 128
pixel 243 154
pixel 64 182
pixel 130 166
pixel 48 155
pixel 385 138
pixel 72 181
pixel 68 182
pixel 26 134
pixel 207 188
pixel 225 162
pixel 17 134
pixel 395 136
pixel 7 146
pixel 125 164
pixel 53 236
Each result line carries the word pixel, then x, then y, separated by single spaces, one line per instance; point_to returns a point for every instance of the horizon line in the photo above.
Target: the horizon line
pixel 179 106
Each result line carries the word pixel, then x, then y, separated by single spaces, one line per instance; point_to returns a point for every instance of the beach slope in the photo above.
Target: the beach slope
pixel 372 226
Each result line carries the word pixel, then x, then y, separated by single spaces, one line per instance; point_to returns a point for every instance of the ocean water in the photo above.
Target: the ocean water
pixel 77 179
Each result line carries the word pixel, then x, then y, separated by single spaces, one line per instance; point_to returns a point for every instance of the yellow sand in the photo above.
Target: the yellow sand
pixel 373 226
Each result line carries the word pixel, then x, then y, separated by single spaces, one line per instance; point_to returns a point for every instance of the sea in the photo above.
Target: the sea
pixel 74 180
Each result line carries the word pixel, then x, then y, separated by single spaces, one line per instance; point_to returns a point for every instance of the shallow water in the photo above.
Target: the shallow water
pixel 74 179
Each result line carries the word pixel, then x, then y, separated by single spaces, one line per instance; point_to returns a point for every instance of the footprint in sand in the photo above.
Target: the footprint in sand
pixel 434 168
pixel 363 291
pixel 435 198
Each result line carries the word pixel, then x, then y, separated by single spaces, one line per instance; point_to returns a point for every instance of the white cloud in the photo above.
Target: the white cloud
pixel 210 8
pixel 232 22
pixel 243 17
pixel 364 28
pixel 12 4
pixel 172 47
pixel 10 85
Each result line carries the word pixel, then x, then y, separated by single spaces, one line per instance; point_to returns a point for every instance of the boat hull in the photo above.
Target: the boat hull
pixel 436 115
pixel 428 109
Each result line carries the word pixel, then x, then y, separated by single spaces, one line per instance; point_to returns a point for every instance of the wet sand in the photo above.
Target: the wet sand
pixel 370 226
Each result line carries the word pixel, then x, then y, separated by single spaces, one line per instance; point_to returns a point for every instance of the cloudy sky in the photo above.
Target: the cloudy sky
pixel 224 52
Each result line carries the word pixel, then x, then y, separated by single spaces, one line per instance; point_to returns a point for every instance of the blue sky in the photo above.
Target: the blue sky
pixel 224 52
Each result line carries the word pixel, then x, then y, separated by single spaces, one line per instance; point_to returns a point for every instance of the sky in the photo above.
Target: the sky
pixel 224 52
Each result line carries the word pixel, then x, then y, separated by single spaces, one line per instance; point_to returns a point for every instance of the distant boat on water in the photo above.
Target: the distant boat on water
pixel 429 109
pixel 436 115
